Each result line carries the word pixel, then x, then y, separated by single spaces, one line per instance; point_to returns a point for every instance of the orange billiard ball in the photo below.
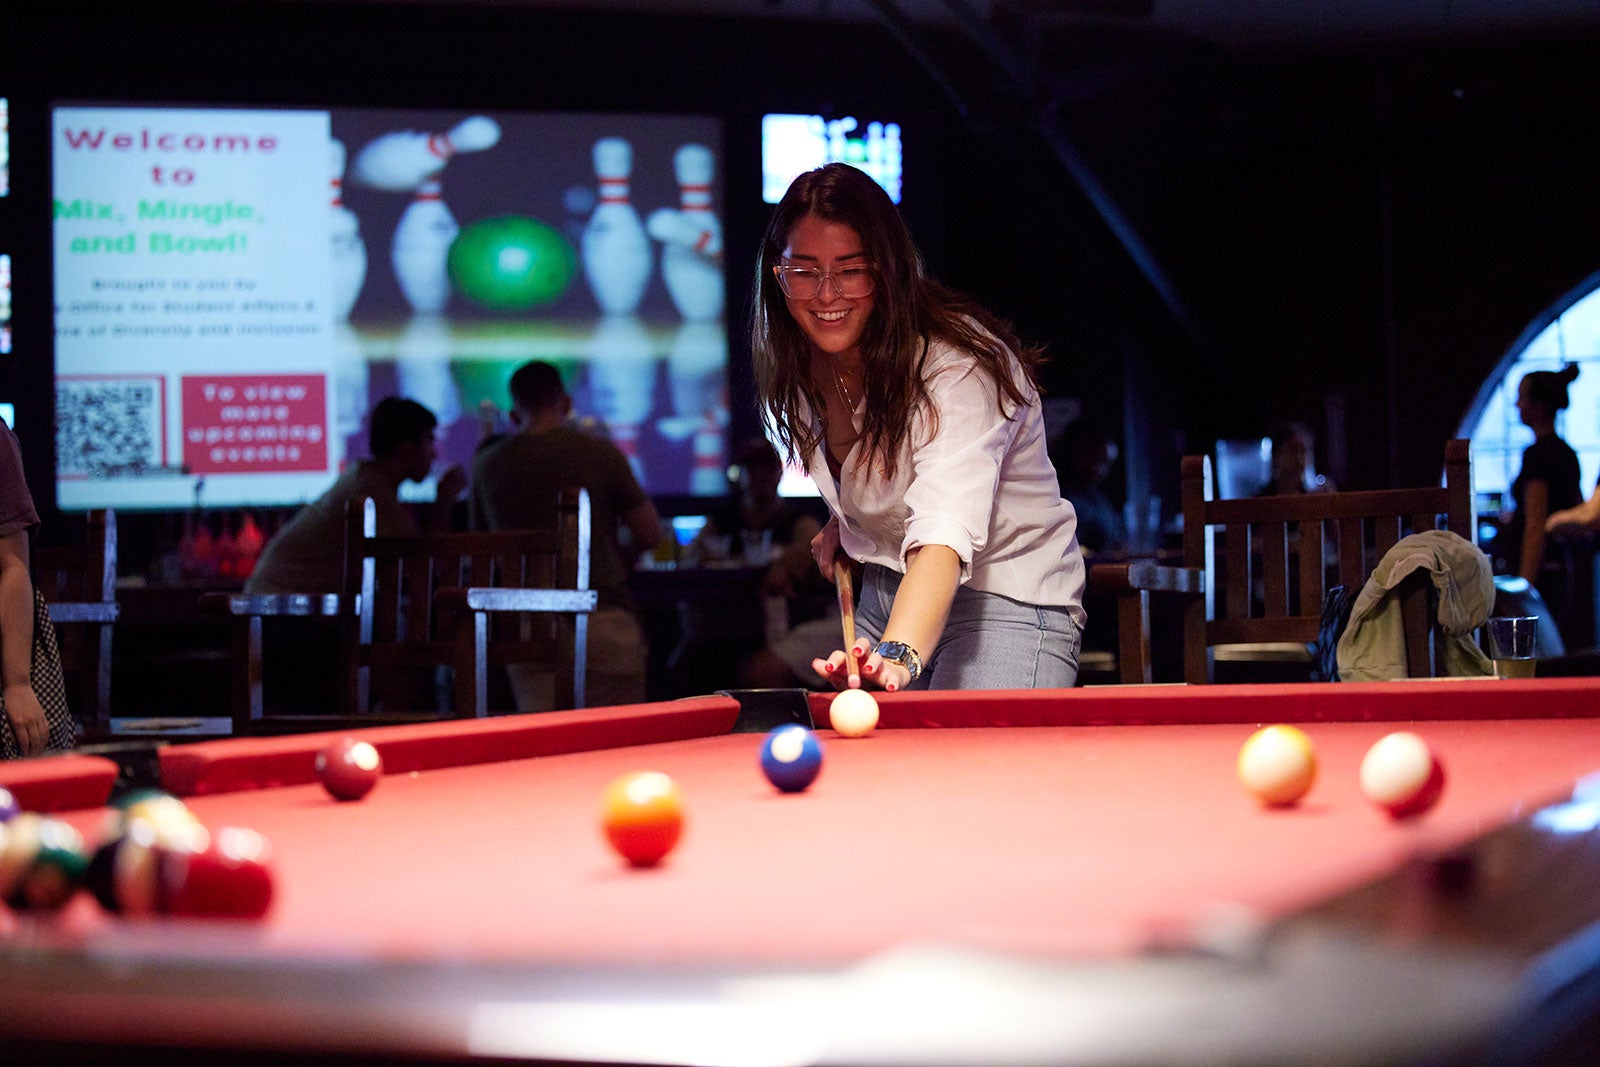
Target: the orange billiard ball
pixel 1277 765
pixel 642 814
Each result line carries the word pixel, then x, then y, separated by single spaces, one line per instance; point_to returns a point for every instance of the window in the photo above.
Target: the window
pixel 1568 333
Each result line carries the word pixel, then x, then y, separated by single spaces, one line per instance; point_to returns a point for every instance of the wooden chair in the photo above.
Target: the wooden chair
pixel 1256 571
pixel 79 583
pixel 466 601
pixel 449 599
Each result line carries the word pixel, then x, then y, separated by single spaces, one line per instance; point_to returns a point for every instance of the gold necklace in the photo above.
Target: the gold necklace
pixel 844 394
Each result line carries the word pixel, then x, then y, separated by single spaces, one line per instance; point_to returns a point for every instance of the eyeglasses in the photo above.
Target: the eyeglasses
pixel 805 283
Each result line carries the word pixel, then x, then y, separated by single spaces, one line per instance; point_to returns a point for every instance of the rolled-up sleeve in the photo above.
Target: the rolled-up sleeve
pixel 956 464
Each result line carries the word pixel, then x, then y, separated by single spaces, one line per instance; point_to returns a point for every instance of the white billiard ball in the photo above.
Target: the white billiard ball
pixel 853 713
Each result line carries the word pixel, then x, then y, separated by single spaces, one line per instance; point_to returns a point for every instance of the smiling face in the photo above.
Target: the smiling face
pixel 833 323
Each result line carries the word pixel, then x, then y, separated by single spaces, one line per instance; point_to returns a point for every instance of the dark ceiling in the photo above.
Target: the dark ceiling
pixel 1229 24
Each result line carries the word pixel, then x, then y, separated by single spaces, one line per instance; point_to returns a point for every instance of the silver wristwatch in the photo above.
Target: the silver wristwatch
pixel 901 653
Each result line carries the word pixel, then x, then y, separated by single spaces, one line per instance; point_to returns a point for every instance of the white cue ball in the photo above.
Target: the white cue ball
pixel 853 713
pixel 1277 765
pixel 1402 775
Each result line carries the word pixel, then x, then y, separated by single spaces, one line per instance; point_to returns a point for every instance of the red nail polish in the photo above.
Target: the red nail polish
pixel 891 687
pixel 828 667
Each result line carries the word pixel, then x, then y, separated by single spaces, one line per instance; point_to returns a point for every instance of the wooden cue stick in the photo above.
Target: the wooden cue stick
pixel 847 613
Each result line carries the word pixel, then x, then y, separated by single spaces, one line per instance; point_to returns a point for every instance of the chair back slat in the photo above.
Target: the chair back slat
pixel 1275 568
pixel 1313 567
pixel 1352 553
pixel 1385 535
pixel 1238 560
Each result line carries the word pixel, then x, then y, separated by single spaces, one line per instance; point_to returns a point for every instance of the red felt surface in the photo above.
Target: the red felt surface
pixel 1080 839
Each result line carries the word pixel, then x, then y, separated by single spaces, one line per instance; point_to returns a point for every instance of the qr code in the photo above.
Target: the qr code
pixel 107 427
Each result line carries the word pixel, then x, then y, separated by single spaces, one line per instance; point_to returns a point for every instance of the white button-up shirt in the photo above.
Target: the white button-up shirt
pixel 972 480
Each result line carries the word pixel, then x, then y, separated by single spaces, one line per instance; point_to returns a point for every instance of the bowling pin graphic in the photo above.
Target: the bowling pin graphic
pixel 622 378
pixel 408 160
pixel 421 249
pixel 691 237
pixel 691 267
pixel 349 251
pixel 697 381
pixel 398 162
pixel 350 383
pixel 422 361
pixel 614 246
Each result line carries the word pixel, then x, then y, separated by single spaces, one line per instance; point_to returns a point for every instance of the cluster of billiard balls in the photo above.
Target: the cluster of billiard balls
pixel 642 812
pixel 1401 773
pixel 153 858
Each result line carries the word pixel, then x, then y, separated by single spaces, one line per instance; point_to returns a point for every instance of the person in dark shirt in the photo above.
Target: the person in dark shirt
pixel 516 484
pixel 1546 484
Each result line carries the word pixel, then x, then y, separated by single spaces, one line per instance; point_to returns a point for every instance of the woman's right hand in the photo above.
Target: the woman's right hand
pixel 825 547
pixel 28 723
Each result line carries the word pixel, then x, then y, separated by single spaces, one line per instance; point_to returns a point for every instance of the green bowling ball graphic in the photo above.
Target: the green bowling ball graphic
pixel 511 263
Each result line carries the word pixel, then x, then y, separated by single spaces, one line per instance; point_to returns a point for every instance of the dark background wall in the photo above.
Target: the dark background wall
pixel 1350 237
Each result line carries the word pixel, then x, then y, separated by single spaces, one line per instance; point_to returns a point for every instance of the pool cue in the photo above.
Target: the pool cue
pixel 847 614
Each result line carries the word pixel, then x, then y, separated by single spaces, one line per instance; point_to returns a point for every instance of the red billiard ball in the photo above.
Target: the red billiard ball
pixel 349 769
pixel 230 878
pixel 1402 775
pixel 642 815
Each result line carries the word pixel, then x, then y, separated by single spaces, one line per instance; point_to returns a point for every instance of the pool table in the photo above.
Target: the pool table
pixel 1016 877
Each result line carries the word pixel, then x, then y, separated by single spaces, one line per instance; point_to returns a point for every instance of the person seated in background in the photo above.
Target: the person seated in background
pixel 307 555
pixel 516 484
pixel 754 523
pixel 780 631
pixel 34 718
pixel 1084 456
pixel 802 622
pixel 1294 462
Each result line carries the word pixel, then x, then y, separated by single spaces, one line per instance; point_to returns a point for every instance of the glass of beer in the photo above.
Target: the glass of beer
pixel 1511 645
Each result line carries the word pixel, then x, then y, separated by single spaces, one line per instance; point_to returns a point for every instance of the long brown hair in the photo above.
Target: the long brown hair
pixel 910 312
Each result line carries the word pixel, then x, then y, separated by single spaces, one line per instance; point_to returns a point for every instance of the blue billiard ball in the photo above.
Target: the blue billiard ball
pixel 791 757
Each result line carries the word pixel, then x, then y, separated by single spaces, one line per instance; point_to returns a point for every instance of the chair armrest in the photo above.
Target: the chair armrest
pixel 1145 576
pixel 84 611
pixel 243 605
pixel 496 599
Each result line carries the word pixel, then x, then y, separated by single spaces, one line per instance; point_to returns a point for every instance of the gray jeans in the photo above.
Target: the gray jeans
pixel 989 641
